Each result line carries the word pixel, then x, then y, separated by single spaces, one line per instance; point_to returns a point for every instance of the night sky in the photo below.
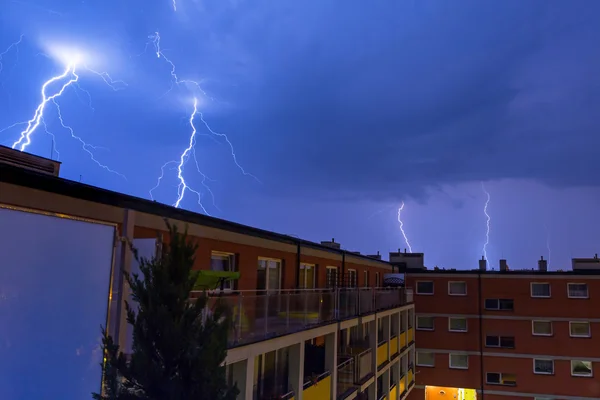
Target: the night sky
pixel 342 110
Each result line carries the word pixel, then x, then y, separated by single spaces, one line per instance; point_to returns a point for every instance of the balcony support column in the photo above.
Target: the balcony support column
pixel 331 357
pixel 372 329
pixel 296 369
pixel 386 384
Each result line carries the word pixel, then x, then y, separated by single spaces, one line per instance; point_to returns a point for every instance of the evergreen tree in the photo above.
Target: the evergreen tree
pixel 178 347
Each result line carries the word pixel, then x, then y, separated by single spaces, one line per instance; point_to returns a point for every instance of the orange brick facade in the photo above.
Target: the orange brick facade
pixel 515 360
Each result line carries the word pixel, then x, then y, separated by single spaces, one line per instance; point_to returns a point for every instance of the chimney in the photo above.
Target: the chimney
pixel 542 264
pixel 332 244
pixel 483 264
pixel 503 265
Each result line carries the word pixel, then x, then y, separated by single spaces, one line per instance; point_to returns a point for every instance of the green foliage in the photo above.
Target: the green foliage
pixel 178 347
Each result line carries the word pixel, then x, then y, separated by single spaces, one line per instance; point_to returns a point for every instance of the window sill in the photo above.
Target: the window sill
pixel 580 337
pixel 426 366
pixel 582 376
pixel 544 373
pixel 578 298
pixel 455 331
pixel 543 334
pixel 459 368
pixel 541 297
pixel 457 294
pixel 424 294
pixel 425 329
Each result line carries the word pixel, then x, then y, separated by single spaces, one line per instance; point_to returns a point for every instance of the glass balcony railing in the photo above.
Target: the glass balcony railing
pixel 260 315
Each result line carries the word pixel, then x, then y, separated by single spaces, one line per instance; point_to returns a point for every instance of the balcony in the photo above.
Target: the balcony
pixel 261 315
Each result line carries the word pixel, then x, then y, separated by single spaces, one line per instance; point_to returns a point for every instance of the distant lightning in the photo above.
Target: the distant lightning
pixel 14 45
pixel 488 219
pixel 69 77
pixel 402 226
pixel 190 151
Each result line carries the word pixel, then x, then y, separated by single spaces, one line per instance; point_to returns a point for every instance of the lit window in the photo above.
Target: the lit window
pixel 540 290
pixel 541 328
pixel 459 361
pixel 543 366
pixel 425 323
pixel 581 368
pixel 268 276
pixel 425 359
pixel 579 329
pixel 577 290
pixel 424 287
pixel 457 324
pixel 457 288
pixel 497 378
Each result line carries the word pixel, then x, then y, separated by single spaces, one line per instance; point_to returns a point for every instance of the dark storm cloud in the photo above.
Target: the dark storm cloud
pixel 394 97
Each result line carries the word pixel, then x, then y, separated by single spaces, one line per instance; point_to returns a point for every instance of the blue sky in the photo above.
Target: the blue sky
pixel 342 110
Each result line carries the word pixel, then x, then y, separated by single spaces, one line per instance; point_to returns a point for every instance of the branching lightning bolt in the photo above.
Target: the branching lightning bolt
pixel 487 223
pixel 14 45
pixel 190 151
pixel 69 77
pixel 402 227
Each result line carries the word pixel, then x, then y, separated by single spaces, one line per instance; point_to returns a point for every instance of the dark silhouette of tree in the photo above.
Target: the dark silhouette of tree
pixel 178 346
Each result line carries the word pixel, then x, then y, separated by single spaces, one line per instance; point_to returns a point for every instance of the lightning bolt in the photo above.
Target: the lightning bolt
pixel 487 223
pixel 402 227
pixel 190 151
pixel 69 77
pixel 12 45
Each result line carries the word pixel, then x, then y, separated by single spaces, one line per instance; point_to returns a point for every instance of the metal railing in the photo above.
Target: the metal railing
pixel 259 315
pixel 346 379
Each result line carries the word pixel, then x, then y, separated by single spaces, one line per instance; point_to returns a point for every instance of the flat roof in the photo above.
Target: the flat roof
pixel 35 180
pixel 508 273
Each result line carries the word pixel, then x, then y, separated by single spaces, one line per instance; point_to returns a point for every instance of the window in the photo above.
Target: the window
pixel 506 342
pixel 543 366
pixel 496 378
pixel 424 287
pixel 377 282
pixel 500 304
pixel 579 329
pixel 540 290
pixel 577 290
pixel 457 288
pixel 352 278
pixel 459 361
pixel 457 324
pixel 269 274
pixel 541 328
pixel 331 277
pixel 223 262
pixel 366 278
pixel 425 323
pixel 425 359
pixel 581 368
pixel 306 280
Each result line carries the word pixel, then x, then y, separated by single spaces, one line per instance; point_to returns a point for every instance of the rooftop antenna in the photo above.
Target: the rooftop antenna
pixel 80 178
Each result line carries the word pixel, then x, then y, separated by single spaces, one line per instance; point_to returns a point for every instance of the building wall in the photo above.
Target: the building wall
pixel 560 346
pixel 248 253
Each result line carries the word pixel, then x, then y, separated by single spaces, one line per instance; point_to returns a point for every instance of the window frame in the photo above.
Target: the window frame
pixel 328 284
pixel 540 283
pixel 366 278
pixel 228 285
pixel 424 329
pixel 432 365
pixel 587 290
pixel 498 305
pixel 377 279
pixel 352 283
pixel 541 372
pixel 591 374
pixel 457 294
pixel 499 337
pixel 589 334
pixel 457 354
pixel 500 383
pixel 533 333
pixel 424 294
pixel 307 266
pixel 267 269
pixel 454 330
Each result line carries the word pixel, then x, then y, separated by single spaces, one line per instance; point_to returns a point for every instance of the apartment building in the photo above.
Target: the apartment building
pixel 310 319
pixel 506 334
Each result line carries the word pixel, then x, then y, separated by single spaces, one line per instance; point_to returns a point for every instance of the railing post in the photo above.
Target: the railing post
pixel 305 294
pixel 319 320
pixel 287 309
pixel 240 313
